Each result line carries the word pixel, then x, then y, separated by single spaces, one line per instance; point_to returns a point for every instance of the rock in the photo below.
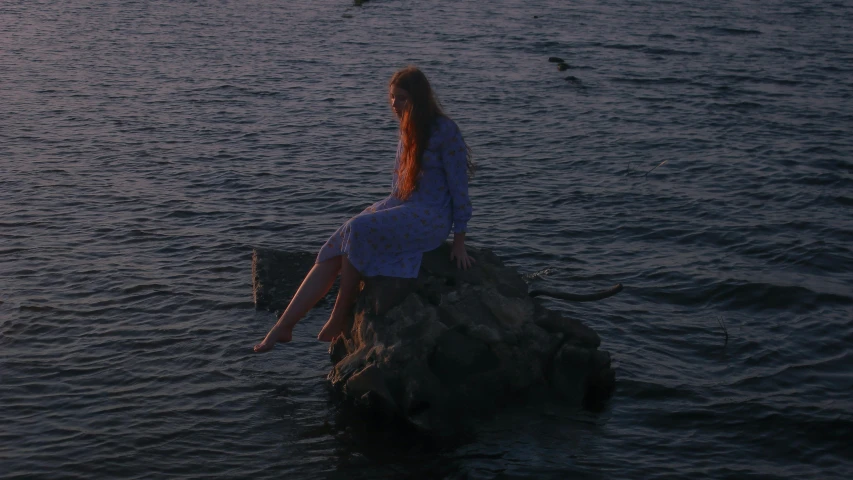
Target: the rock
pixel 573 330
pixel 382 293
pixel 570 370
pixel 276 275
pixel 556 60
pixel 368 388
pixel 436 353
pixel 574 81
pixel 582 376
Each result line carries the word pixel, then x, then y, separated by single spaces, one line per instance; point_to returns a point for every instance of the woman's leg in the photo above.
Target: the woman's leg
pixel 347 293
pixel 315 286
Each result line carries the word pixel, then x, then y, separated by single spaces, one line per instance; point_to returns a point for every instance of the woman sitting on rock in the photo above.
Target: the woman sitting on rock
pixel 429 198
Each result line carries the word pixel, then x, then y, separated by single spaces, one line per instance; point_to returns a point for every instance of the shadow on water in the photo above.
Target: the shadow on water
pixel 369 447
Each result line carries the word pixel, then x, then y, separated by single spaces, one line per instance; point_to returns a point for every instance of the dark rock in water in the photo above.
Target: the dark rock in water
pixel 556 60
pixel 562 66
pixel 436 353
pixel 574 80
pixel 276 275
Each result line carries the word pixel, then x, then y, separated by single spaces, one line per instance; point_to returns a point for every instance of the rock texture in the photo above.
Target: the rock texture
pixel 451 346
pixel 276 275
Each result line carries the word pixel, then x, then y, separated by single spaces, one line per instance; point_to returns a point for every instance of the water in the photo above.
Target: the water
pixel 147 146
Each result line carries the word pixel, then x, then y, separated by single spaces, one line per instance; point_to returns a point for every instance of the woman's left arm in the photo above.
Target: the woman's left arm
pixel 454 156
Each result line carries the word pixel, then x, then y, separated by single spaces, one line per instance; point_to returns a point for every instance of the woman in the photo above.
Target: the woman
pixel 429 199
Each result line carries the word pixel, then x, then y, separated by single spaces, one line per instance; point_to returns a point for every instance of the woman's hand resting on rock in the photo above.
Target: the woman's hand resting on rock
pixel 458 252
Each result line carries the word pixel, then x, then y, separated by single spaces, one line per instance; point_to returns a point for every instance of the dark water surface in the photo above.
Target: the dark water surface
pixel 147 146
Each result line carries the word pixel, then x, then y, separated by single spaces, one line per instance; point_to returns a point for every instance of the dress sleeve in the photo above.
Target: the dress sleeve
pixel 454 156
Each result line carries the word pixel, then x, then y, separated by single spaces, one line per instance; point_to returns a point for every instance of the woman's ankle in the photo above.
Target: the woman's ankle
pixel 284 323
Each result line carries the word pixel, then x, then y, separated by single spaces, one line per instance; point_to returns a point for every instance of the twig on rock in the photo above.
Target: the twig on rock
pixel 575 297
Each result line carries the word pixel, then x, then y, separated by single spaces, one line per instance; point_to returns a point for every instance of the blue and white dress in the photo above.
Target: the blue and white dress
pixel 389 237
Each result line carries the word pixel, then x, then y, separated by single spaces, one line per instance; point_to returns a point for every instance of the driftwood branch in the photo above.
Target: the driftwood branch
pixel 575 297
pixel 725 330
pixel 650 171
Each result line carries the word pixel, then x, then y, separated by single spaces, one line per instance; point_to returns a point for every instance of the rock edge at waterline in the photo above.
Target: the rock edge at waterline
pixel 452 345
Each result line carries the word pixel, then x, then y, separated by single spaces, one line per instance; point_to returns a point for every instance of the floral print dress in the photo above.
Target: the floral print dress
pixel 389 237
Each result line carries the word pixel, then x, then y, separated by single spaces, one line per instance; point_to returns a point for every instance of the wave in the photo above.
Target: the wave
pixel 729 31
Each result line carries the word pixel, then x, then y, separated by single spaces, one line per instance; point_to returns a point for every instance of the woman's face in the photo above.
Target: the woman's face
pixel 399 100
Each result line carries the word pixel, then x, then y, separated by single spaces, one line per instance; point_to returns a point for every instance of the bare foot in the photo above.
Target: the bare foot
pixel 279 333
pixel 332 328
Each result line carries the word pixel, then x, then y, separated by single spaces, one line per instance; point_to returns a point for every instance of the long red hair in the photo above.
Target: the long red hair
pixel 416 123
